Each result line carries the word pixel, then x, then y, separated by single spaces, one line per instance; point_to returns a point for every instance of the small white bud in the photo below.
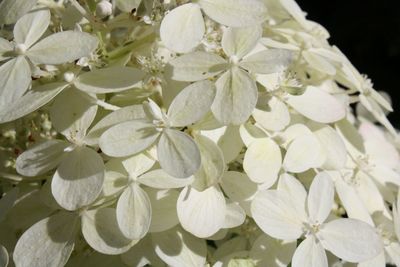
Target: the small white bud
pixel 20 49
pixel 69 77
pixel 103 9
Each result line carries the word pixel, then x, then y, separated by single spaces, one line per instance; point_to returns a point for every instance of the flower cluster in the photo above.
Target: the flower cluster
pixel 189 133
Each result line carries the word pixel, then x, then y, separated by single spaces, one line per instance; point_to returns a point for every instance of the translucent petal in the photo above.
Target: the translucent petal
pixel 134 212
pixel 240 41
pixel 295 11
pixel 378 261
pixel 272 114
pixel 196 66
pixel 212 164
pixel 142 254
pixel 128 138
pixel 4 258
pixel 235 215
pixel 182 29
pixel 355 208
pixel 62 47
pixel 320 197
pixel 302 154
pixel 109 80
pixel 31 101
pixel 351 240
pixel 235 13
pixel 138 164
pixel 72 114
pixel 250 133
pixel 293 188
pixel 318 105
pixel 48 242
pixel 191 104
pixel 393 250
pixel 100 230
pixel 164 215
pixel 236 97
pixel 121 115
pixel 12 10
pixel 353 140
pixel 268 61
pixel 31 27
pixel 7 201
pixel 310 253
pixel 127 5
pixel 268 251
pixel 41 158
pixel 238 187
pixel 275 214
pixel 201 213
pixel 178 248
pixel 15 78
pixel 319 63
pixel 6 49
pixel 161 180
pixel 333 148
pixel 79 179
pixel 262 161
pixel 178 154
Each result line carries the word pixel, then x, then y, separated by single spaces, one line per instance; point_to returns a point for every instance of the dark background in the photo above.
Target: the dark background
pixel 368 32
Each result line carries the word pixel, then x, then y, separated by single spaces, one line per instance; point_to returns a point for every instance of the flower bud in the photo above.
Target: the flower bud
pixel 103 9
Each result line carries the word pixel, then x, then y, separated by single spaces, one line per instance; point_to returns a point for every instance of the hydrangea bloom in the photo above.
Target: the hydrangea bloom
pixel 189 133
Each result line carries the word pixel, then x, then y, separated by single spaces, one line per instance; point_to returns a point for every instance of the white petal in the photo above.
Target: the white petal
pixel 128 138
pixel 31 27
pixel 318 105
pixel 48 242
pixel 15 78
pixel 353 140
pixel 134 212
pixel 236 97
pixel 178 248
pixel 79 179
pixel 292 187
pixel 164 215
pixel 378 261
pixel 295 11
pixel 182 29
pixel 201 213
pixel 178 153
pixel 250 133
pixel 41 158
pixel 272 115
pixel 235 13
pixel 268 61
pixel 275 214
pixel 72 114
pixel 212 164
pixel 240 41
pixel 109 80
pixel 235 215
pixel 393 250
pixel 62 47
pixel 161 180
pixel 302 154
pixel 31 101
pixel 271 252
pixel 12 10
pixel 197 66
pixel 320 197
pixel 310 253
pixel 351 240
pixel 100 230
pixel 191 104
pixel 262 161
pixel 333 148
pixel 4 258
pixel 114 118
